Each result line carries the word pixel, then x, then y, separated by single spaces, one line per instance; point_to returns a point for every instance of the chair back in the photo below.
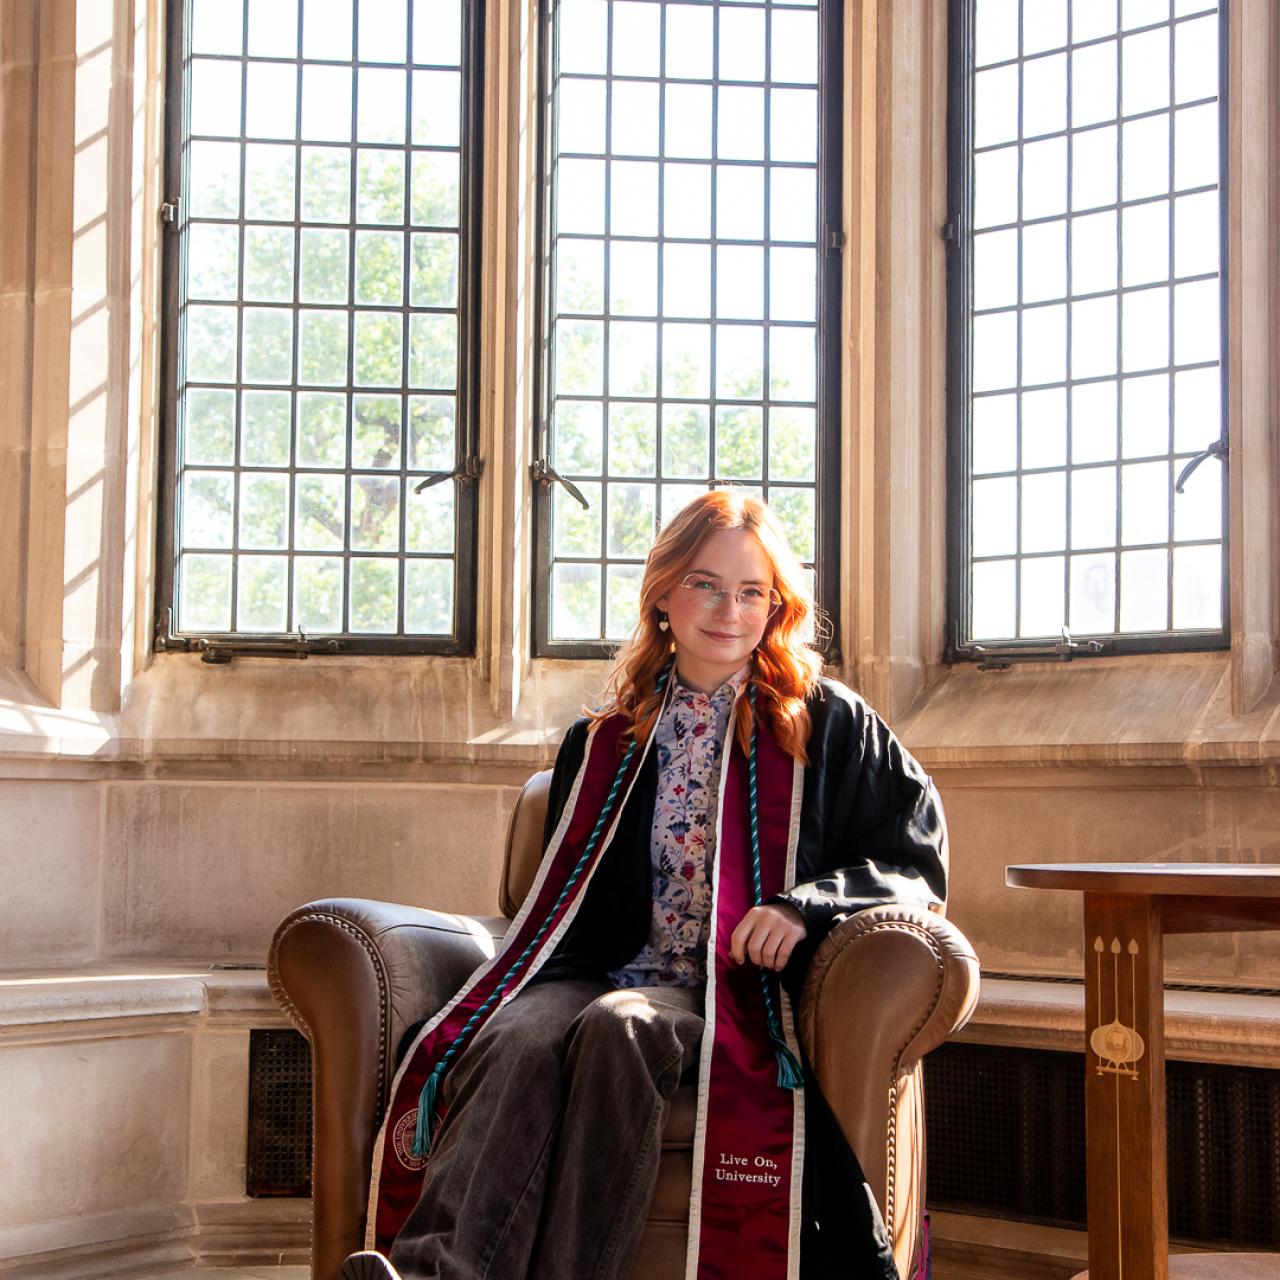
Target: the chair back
pixel 524 843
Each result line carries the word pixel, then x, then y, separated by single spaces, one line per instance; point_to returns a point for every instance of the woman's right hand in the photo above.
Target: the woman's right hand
pixel 767 936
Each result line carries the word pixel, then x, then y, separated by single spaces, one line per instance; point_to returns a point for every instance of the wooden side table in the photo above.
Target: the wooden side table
pixel 1128 909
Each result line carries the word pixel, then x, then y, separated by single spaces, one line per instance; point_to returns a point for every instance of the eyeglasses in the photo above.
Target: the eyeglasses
pixel 753 601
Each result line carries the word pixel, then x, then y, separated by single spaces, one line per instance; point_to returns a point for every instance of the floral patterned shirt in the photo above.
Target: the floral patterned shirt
pixel 689 740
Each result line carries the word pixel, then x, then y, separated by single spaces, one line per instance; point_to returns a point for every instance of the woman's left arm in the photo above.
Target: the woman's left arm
pixel 873 830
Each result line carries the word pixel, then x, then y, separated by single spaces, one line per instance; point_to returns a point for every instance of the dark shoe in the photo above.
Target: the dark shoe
pixel 368 1266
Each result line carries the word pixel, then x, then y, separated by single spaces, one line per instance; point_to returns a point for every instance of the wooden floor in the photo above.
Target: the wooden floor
pixel 1221 1266
pixel 222 1273
pixel 1266 1268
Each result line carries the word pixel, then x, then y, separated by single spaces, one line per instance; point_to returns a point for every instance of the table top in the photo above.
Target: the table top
pixel 1211 879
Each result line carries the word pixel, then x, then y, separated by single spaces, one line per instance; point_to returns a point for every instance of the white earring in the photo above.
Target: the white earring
pixel 663 624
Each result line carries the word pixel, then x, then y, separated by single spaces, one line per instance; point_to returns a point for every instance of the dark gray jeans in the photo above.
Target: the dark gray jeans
pixel 546 1159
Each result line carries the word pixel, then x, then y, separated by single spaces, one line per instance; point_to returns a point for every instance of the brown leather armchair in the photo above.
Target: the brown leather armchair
pixel 353 975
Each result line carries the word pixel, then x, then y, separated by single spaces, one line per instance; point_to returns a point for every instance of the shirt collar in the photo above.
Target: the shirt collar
pixel 725 692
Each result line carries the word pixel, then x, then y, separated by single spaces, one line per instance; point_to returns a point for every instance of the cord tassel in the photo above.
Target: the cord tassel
pixel 426 1115
pixel 790 1076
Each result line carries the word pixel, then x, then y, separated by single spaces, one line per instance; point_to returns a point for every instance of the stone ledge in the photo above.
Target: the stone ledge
pixel 129 1241
pixel 122 998
pixel 62 1249
pixel 275 1232
pixel 1238 1028
pixel 1235 1028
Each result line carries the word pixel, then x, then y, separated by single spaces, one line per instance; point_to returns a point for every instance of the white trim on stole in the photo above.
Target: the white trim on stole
pixel 709 1030
pixel 544 951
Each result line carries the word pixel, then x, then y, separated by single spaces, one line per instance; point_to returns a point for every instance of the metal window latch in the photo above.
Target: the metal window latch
pixel 169 210
pixel 218 651
pixel 467 471
pixel 951 230
pixel 1218 449
pixel 545 474
pixel 1001 658
pixel 835 241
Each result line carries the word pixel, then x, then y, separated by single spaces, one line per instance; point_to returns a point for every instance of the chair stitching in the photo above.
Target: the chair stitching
pixel 295 1016
pixel 301 1023
pixel 899 926
pixel 384 995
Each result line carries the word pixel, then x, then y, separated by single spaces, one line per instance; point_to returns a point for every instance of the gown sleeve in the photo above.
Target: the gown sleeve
pixel 873 830
pixel 568 760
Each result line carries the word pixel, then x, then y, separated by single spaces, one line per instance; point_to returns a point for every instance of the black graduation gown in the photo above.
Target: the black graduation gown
pixel 871 832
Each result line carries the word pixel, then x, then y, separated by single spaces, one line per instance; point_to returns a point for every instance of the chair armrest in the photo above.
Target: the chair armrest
pixel 886 986
pixel 352 975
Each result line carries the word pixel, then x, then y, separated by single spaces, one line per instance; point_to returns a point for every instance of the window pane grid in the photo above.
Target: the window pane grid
pixel 668 344
pixel 323 346
pixel 1091 243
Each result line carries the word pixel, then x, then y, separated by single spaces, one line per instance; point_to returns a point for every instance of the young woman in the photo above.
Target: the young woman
pixel 706 827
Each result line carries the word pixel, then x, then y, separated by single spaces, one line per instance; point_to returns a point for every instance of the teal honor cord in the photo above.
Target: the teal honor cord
pixel 789 1073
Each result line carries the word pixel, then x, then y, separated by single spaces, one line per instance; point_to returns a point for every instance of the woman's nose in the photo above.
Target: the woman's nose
pixel 726 604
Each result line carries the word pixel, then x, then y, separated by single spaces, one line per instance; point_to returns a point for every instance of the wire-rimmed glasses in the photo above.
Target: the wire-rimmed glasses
pixel 753 600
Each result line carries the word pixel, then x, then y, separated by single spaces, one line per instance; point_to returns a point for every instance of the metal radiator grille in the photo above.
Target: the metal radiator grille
pixel 1224 1153
pixel 1005 1134
pixel 279 1157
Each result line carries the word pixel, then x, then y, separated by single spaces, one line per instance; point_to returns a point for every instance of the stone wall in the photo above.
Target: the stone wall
pixel 157 811
pixel 178 808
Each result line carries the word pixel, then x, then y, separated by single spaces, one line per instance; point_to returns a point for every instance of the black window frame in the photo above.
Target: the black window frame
pixel 829 318
pixel 958 645
pixel 467 465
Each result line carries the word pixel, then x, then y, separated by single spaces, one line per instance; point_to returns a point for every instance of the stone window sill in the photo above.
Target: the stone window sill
pixel 432 719
pixel 422 717
pixel 1157 710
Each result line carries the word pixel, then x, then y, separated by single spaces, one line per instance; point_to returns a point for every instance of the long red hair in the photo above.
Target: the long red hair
pixel 785 668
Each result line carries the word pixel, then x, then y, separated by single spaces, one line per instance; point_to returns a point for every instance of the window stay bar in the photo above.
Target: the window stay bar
pixel 545 474
pixel 464 473
pixel 997 657
pixel 218 651
pixel 1216 449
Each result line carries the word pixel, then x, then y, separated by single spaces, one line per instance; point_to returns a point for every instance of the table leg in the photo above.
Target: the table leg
pixel 1124 1088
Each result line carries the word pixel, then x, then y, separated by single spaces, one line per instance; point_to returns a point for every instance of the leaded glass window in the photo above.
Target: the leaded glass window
pixel 322 265
pixel 1086 311
pixel 690 289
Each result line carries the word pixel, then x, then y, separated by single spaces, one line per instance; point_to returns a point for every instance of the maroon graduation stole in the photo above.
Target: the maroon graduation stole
pixel 744 1207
